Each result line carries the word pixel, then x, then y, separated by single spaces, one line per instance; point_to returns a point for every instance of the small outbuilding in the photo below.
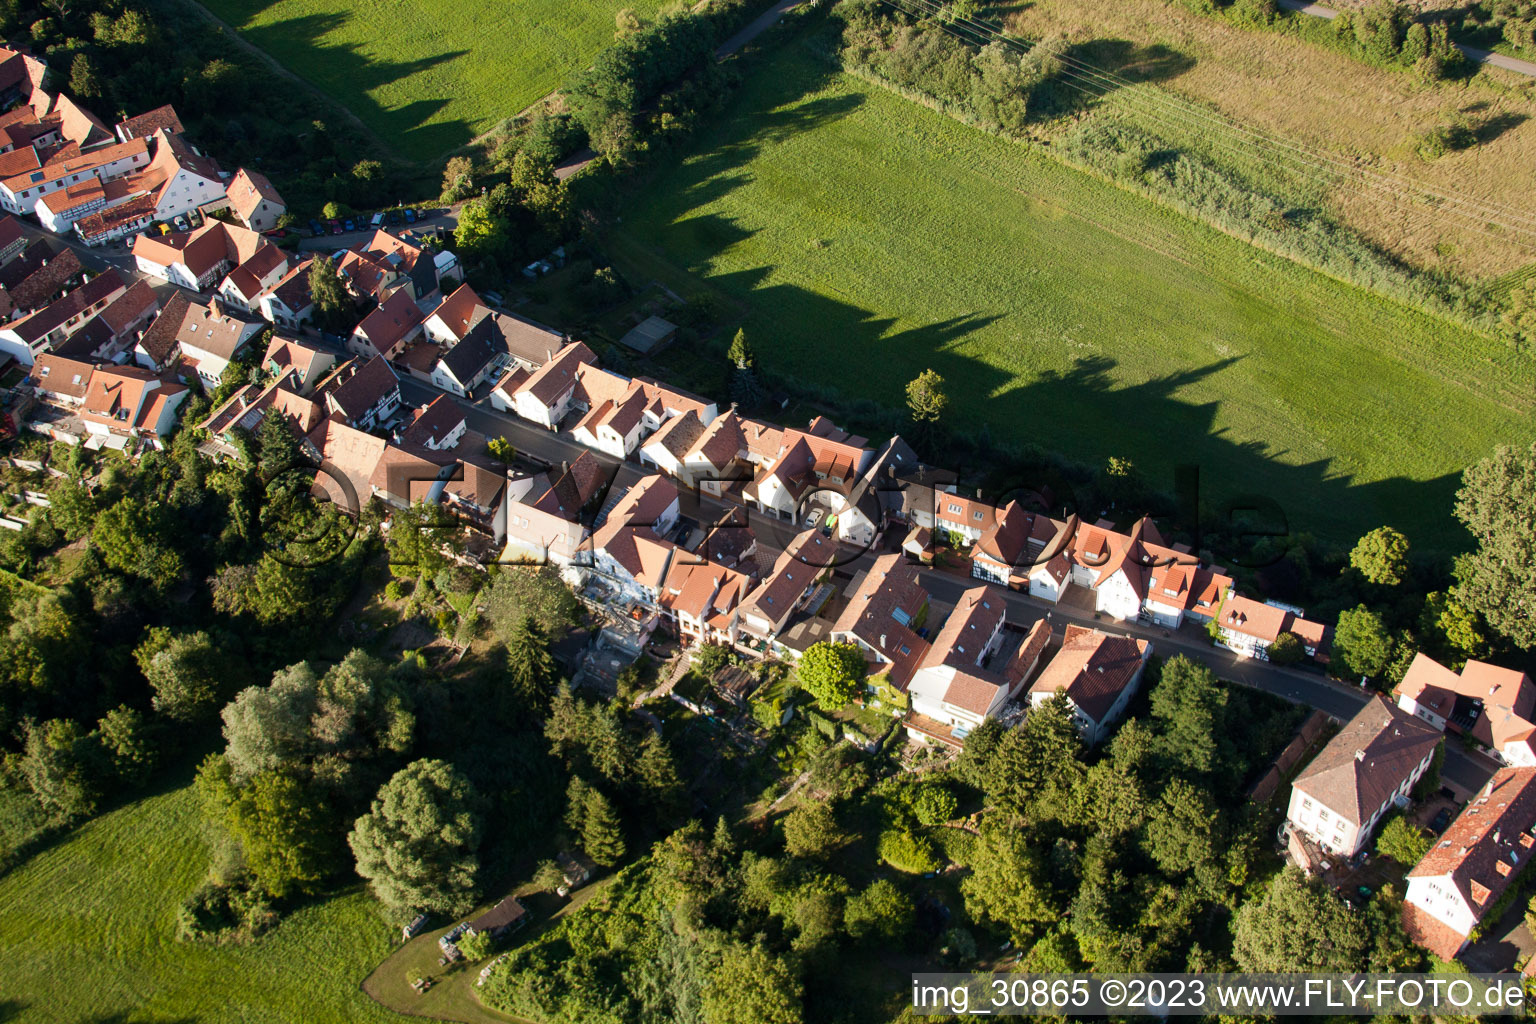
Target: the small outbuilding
pixel 500 919
pixel 651 335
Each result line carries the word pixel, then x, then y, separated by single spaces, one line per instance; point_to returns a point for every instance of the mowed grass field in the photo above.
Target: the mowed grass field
pixel 88 935
pixel 870 237
pixel 429 75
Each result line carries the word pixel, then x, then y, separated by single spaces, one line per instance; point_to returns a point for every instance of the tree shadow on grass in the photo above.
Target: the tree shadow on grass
pixel 342 70
pixel 854 362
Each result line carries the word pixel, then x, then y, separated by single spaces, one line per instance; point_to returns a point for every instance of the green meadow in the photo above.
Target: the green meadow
pixel 89 935
pixel 869 237
pixel 429 75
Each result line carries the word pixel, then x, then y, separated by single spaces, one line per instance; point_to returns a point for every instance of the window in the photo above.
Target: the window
pixel 1322 815
pixel 1306 802
pixel 976 515
pixel 955 509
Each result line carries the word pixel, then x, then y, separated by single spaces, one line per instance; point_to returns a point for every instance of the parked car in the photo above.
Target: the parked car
pixel 351 224
pixel 316 228
pixel 336 227
pixel 1441 821
pixel 814 517
pixel 377 221
pixel 181 223
pixel 410 215
pixel 392 217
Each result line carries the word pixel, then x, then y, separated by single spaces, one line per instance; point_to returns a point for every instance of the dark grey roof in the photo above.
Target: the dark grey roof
pixel 466 359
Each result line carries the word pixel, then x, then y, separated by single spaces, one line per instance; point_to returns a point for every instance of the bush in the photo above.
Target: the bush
pixel 904 851
pixel 223 913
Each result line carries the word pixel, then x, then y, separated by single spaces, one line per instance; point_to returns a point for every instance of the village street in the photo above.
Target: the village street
pixel 1465 769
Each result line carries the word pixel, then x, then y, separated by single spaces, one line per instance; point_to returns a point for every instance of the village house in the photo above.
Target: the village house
pixel 732 542
pixel 60 381
pixel 815 468
pixel 886 608
pixel 437 426
pixel 545 512
pixel 115 328
pixel 289 302
pixel 701 602
pixel 668 447
pixel 301 365
pixel 209 338
pixel 1494 706
pixel 1473 863
pixel 23 191
pixel 27 338
pixel 718 458
pixel 455 316
pixel 244 284
pixel 545 396
pixel 13 240
pixel 42 274
pixel 470 361
pixel 145 125
pixel 621 411
pixel 254 201
pixel 194 260
pixel 783 591
pixel 367 393
pixel 385 330
pixel 967 675
pixel 1099 672
pixel 351 458
pixel 630 550
pixel 1366 770
pixel 250 404
pixel 125 403
pixel 1249 628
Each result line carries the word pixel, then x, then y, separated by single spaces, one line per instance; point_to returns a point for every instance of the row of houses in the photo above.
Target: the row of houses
pixel 63 165
pixel 859 490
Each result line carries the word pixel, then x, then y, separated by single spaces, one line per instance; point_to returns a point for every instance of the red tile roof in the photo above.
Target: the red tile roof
pixel 1487 845
pixel 246 191
pixel 1093 667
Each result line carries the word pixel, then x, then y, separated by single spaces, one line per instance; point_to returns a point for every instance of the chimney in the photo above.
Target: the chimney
pixel 1359 755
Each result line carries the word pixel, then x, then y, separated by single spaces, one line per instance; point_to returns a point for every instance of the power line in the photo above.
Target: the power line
pixel 1088 72
pixel 1160 106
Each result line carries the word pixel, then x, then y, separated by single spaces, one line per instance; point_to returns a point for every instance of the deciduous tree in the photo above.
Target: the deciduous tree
pixel 1381 556
pixel 832 672
pixel 418 846
pixel 811 830
pixel 1497 502
pixel 1361 643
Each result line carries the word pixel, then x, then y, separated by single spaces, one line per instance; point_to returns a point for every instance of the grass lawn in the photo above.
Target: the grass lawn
pixel 88 934
pixel 428 75
pixel 871 237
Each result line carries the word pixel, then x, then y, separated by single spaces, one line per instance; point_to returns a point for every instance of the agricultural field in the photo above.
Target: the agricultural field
pixel 1329 103
pixel 429 75
pixel 869 237
pixel 88 934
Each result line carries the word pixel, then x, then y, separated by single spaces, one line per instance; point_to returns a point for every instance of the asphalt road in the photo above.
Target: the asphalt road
pixel 1465 769
pixel 1498 60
